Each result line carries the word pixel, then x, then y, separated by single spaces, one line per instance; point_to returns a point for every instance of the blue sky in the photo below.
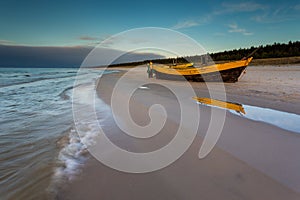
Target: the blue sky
pixel 216 25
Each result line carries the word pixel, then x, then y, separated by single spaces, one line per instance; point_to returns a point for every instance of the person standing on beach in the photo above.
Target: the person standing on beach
pixel 149 71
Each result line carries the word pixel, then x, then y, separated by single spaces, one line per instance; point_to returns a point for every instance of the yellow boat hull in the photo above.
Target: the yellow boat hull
pixel 227 72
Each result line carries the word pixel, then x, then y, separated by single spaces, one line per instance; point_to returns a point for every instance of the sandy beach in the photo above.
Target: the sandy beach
pixel 252 159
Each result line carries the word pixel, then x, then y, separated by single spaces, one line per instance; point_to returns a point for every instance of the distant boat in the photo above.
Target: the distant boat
pixel 227 72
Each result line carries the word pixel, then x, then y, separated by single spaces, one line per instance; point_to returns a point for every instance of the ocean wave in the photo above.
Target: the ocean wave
pixel 28 79
pixel 64 94
pixel 40 145
pixel 71 157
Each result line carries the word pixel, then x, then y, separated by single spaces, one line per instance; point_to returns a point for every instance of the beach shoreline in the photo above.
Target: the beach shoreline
pixel 237 168
pixel 259 86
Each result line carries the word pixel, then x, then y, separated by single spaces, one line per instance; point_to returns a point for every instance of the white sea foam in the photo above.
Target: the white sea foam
pixel 72 157
pixel 74 154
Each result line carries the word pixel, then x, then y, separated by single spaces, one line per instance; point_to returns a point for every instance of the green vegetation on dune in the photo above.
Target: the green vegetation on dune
pixel 276 50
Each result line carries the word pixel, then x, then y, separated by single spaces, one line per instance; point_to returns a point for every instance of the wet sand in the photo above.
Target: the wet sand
pixel 252 160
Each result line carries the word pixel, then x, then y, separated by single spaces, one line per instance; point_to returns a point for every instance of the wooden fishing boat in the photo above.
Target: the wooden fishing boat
pixel 221 104
pixel 227 72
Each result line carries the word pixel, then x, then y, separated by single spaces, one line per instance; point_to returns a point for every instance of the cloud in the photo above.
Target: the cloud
pixel 185 24
pixel 6 42
pixel 242 7
pixel 280 14
pixel 37 56
pixel 92 44
pixel 32 56
pixel 136 56
pixel 225 8
pixel 120 40
pixel 233 28
pixel 219 34
pixel 88 38
pixel 111 41
pixel 94 41
pixel 192 22
pixel 261 13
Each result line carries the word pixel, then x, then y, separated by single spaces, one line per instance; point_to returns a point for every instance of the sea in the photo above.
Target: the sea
pixel 39 146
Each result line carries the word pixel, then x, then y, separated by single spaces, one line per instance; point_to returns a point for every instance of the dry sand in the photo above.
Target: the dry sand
pixel 252 160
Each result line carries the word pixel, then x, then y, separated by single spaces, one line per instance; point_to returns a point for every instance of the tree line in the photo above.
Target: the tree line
pixel 276 50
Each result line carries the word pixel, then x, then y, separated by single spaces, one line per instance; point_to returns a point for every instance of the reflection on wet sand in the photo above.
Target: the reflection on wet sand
pixel 222 104
pixel 284 120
